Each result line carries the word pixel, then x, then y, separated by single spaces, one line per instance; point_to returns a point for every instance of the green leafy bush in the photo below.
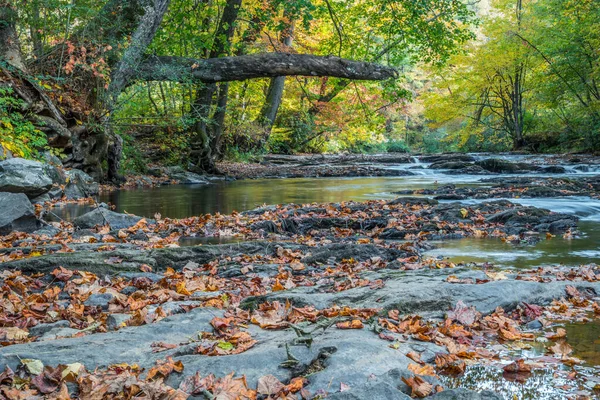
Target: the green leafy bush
pixel 17 133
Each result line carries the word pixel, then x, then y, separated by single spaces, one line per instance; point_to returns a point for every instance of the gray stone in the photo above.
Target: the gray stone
pixel 497 165
pixel 17 214
pixel 99 300
pixel 450 165
pixel 117 321
pixel 42 329
pixel 33 178
pixel 186 177
pixel 102 216
pixel 80 185
pixel 59 333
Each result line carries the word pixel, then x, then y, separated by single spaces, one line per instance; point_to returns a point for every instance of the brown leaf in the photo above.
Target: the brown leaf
pixel 425 369
pixel 354 324
pixel 517 366
pixel 269 385
pixel 464 314
pixel 164 368
pixel 418 386
pixel 414 356
pixel 560 334
pixel 561 348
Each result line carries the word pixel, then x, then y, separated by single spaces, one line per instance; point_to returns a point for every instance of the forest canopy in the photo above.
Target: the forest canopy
pixel 110 85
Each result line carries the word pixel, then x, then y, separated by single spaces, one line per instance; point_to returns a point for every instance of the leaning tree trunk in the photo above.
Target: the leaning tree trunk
pixel 268 113
pixel 140 40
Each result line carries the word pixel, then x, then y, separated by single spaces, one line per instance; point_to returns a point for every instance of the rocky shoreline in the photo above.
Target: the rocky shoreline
pixel 333 300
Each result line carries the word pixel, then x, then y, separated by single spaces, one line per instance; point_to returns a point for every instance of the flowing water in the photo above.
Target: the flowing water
pixel 180 201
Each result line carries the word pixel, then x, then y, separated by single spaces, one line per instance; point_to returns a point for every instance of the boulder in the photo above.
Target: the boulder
pixel 450 165
pixel 101 216
pixel 80 185
pixel 186 177
pixel 17 214
pixel 33 178
pixel 454 157
pixel 500 166
pixel 553 169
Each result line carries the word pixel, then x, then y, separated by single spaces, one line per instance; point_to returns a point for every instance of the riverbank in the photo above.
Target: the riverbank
pixel 317 300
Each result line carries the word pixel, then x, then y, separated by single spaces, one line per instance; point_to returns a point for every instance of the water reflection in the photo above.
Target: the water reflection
pixel 548 384
pixel 554 251
pixel 584 337
pixel 180 201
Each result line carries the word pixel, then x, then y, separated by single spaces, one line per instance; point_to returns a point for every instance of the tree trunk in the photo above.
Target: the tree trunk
pixel 208 130
pixel 10 49
pixel 266 65
pixel 268 113
pixel 143 35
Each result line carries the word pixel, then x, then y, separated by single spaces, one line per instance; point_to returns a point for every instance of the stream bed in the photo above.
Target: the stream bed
pixel 179 201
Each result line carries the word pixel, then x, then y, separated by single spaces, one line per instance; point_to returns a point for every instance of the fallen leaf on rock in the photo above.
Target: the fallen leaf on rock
pixel 418 386
pixel 295 385
pixel 496 276
pixel 559 334
pixel 354 324
pixel 532 311
pixel 232 388
pixel 48 381
pixel 464 314
pixel 425 369
pixel 415 357
pixel 517 366
pixel 456 279
pixel 450 364
pixel 344 387
pixel 269 385
pixel 561 348
pixel 71 371
pixel 34 367
pixel 164 368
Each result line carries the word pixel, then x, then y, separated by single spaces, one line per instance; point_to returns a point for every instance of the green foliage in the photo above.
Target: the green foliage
pixel 396 146
pixel 550 47
pixel 300 134
pixel 17 133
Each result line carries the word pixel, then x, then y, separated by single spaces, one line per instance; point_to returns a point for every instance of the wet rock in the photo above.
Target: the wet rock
pixel 535 324
pixel 411 201
pixel 450 165
pixel 17 214
pixel 101 216
pixel 453 157
pixel 185 177
pixel 450 197
pixel 375 391
pixel 519 215
pixel 497 165
pixel 32 178
pixel 80 185
pixel 469 170
pixel 553 169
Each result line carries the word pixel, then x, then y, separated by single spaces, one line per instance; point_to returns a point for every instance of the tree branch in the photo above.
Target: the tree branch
pixel 267 65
